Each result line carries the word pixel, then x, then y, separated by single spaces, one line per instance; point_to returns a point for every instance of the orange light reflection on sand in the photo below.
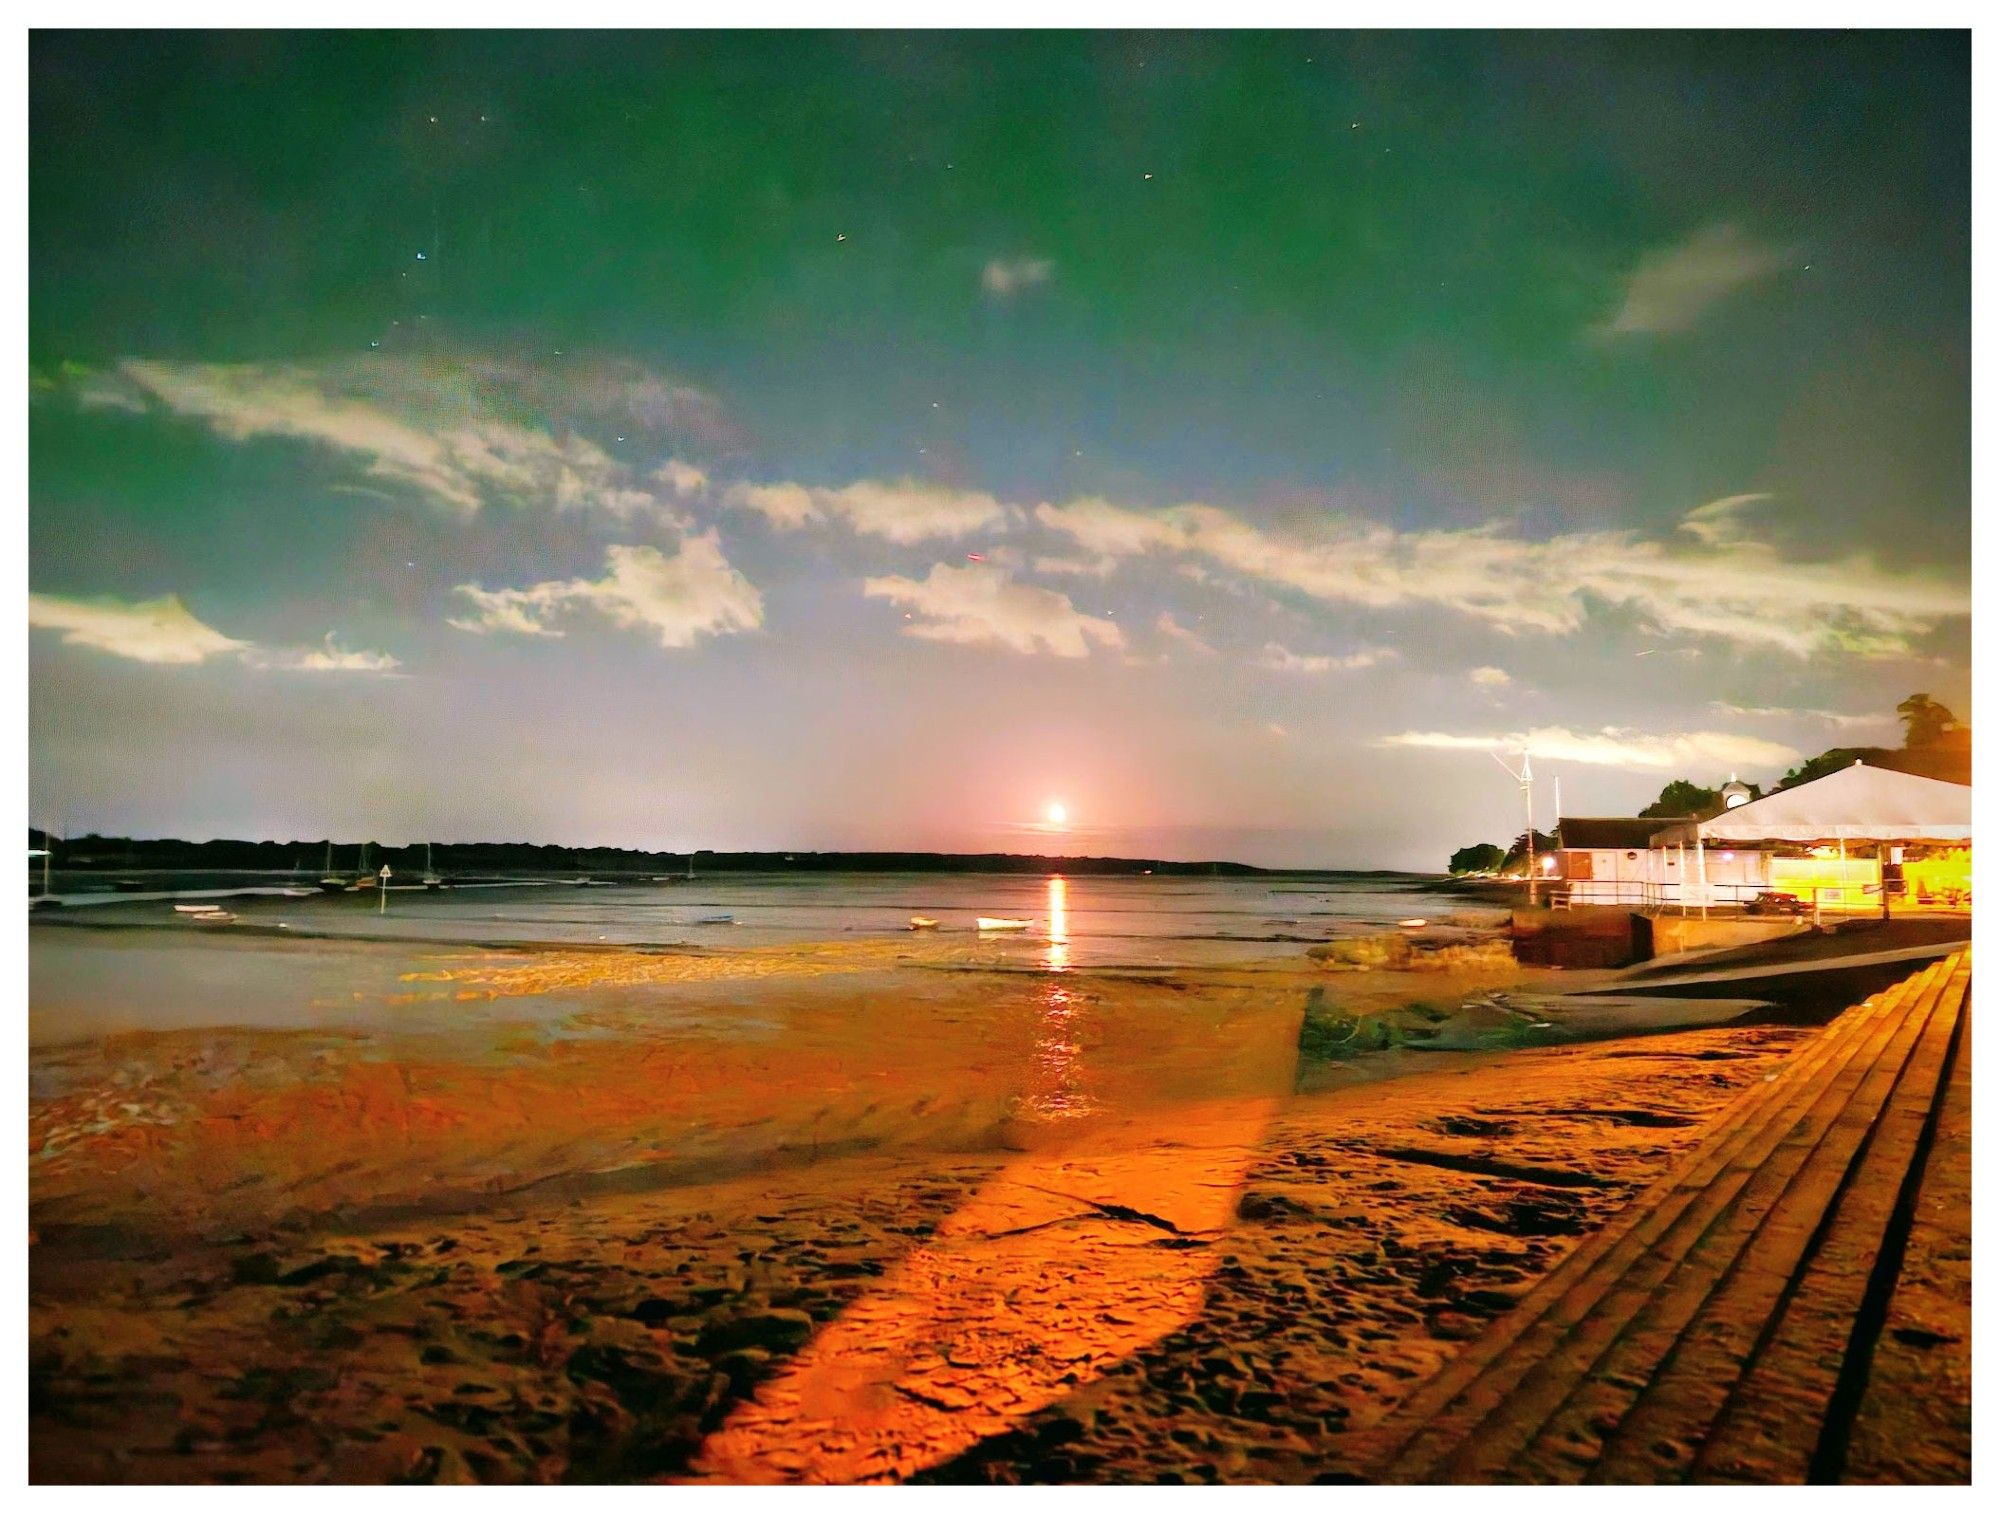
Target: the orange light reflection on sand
pixel 1064 1264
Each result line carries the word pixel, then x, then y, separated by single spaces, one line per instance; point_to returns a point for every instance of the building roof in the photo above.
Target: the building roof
pixel 1857 803
pixel 1608 833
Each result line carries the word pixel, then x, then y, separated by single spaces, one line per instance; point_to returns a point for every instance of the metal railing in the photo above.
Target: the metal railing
pixel 1818 899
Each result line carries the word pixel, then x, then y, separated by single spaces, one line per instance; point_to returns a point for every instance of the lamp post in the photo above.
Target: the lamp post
pixel 1526 778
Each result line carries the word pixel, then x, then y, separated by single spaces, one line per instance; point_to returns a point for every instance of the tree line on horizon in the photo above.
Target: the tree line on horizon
pixel 1934 745
pixel 307 859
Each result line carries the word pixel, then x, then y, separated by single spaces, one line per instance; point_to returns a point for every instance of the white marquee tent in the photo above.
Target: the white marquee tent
pixel 1855 804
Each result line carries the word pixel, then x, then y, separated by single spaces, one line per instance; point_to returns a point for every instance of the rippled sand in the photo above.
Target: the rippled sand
pixel 830 1214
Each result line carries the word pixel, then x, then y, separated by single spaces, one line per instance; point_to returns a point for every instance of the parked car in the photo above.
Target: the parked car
pixel 1771 902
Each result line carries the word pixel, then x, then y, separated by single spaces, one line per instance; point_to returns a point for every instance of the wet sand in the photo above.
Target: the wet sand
pixel 858 1217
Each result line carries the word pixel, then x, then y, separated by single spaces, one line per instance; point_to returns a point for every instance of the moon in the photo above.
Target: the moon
pixel 1058 814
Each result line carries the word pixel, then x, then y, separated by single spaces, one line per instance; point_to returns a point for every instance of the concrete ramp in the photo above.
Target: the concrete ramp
pixel 1724 1328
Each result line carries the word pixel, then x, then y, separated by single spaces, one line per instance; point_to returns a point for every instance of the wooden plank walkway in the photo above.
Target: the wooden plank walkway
pixel 1721 1328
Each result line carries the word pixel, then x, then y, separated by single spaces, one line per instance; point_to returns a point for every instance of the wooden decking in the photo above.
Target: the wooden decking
pixel 1724 1327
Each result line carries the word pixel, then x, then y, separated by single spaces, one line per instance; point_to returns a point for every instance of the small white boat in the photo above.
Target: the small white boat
pixel 194 909
pixel 922 922
pixel 1413 924
pixel 716 920
pixel 995 922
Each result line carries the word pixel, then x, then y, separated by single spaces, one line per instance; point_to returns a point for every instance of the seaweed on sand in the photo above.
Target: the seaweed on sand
pixel 1331 1032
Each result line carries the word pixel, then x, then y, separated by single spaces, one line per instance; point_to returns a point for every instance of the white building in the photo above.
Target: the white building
pixel 1827 843
pixel 1613 860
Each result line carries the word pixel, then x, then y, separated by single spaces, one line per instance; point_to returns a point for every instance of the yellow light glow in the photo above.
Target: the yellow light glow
pixel 1058 814
pixel 1058 924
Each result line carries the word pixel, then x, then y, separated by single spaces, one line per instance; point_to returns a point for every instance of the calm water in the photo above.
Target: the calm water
pixel 1103 921
pixel 324 960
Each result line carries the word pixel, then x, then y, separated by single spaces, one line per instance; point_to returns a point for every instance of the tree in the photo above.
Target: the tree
pixel 1481 857
pixel 1518 852
pixel 1924 720
pixel 1682 798
pixel 1829 761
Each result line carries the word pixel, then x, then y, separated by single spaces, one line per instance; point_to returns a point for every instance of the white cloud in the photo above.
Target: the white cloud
pixel 786 506
pixel 328 657
pixel 904 512
pixel 164 631
pixel 1077 567
pixel 153 630
pixel 1671 288
pixel 683 478
pixel 1723 583
pixel 1491 678
pixel 1282 659
pixel 459 434
pixel 1718 523
pixel 1003 277
pixel 1181 635
pixel 1830 717
pixel 978 605
pixel 1690 751
pixel 677 599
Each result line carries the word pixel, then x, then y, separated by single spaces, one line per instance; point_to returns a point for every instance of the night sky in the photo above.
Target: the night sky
pixel 839 440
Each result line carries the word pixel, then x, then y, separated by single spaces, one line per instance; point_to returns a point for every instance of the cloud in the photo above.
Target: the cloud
pixel 1718 523
pixel 1671 288
pixel 1715 581
pixel 461 434
pixel 1284 660
pixel 905 512
pixel 153 630
pixel 1181 635
pixel 676 599
pixel 1613 746
pixel 328 657
pixel 164 631
pixel 978 605
pixel 1003 277
pixel 683 478
pixel 1078 567
pixel 1830 717
pixel 1491 678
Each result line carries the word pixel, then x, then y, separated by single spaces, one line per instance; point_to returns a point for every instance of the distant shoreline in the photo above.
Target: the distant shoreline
pixel 488 859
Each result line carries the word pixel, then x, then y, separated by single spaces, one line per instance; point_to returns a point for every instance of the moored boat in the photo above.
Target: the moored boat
pixel 996 922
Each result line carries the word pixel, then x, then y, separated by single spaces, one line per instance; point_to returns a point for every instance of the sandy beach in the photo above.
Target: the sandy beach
pixel 611 1214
